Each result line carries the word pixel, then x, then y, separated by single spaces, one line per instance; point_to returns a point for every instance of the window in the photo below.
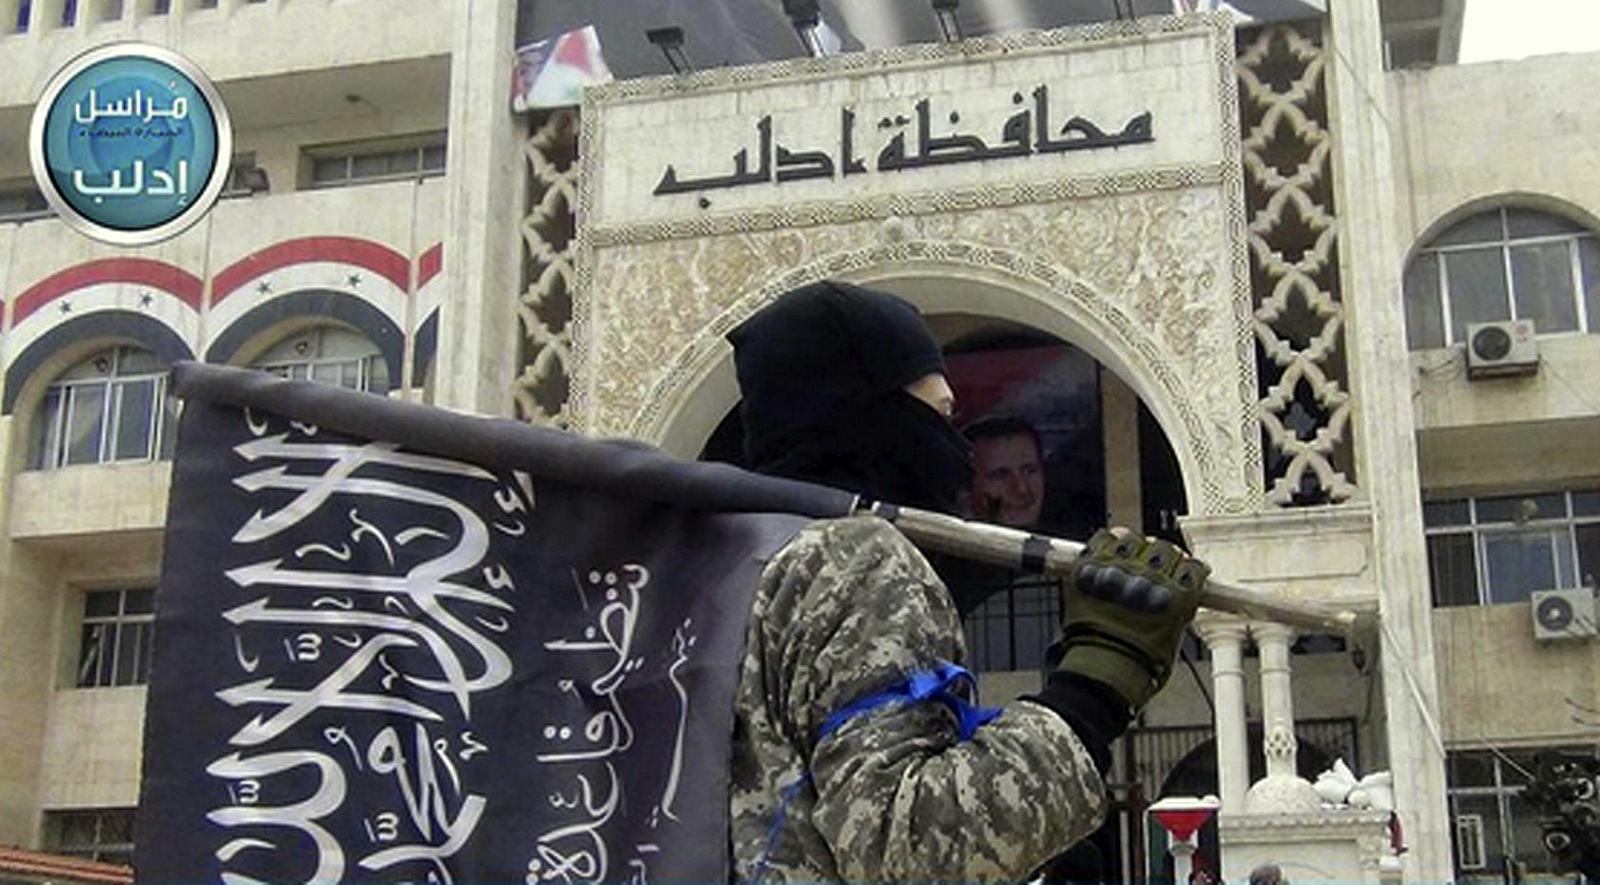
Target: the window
pixel 110 407
pixel 331 355
pixel 1502 265
pixel 339 165
pixel 102 834
pixel 1497 550
pixel 1496 837
pixel 116 646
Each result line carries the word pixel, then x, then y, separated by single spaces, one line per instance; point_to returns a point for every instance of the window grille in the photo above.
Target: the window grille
pixel 100 834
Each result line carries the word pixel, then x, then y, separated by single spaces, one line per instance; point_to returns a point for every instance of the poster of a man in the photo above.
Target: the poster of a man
pixel 1008 472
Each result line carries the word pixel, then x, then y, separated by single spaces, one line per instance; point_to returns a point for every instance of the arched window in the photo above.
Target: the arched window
pixel 330 354
pixel 113 406
pixel 1503 264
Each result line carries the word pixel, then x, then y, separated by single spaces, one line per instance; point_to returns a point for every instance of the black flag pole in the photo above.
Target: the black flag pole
pixel 643 471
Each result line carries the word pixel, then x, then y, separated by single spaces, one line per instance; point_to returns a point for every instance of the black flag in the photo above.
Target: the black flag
pixel 401 645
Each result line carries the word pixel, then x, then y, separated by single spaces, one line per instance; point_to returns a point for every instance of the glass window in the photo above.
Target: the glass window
pixel 117 640
pixel 1501 549
pixel 1541 276
pixel 1453 570
pixel 1500 265
pixel 329 354
pixel 1497 837
pixel 381 161
pixel 1424 317
pixel 1476 279
pixel 110 407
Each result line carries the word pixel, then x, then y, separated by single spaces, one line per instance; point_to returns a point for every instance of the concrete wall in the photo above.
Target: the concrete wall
pixel 1499 685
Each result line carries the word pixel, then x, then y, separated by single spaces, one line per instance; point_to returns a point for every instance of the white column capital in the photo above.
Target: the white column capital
pixel 1272 633
pixel 1216 628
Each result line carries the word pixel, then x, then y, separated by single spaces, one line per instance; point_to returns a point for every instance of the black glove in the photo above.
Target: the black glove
pixel 1124 610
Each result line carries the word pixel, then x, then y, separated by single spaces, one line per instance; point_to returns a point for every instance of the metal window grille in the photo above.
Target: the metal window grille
pixel 100 834
pixel 117 639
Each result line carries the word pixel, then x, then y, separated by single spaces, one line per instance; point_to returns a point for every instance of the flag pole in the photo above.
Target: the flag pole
pixel 1041 554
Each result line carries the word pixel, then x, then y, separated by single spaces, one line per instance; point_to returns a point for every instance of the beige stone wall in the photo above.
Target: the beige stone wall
pixel 1500 686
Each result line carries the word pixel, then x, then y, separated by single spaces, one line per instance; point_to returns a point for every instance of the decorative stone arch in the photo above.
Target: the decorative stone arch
pixel 262 326
pixel 60 348
pixel 697 391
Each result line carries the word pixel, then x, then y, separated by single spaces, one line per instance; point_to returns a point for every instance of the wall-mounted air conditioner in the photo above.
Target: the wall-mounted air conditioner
pixel 1563 614
pixel 1507 347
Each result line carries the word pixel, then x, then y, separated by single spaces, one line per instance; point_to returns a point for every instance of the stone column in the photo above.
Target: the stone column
pixel 1224 635
pixel 487 179
pixel 1282 790
pixel 1372 253
pixel 1277 700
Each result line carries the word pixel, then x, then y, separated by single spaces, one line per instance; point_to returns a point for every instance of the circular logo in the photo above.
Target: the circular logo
pixel 130 143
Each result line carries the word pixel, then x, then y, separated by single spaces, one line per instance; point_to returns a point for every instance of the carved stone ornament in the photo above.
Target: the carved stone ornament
pixel 1150 266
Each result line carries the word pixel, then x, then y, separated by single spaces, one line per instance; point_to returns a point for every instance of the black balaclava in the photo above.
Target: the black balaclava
pixel 823 370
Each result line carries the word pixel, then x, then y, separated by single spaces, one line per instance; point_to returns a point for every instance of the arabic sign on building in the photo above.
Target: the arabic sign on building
pixel 130 144
pixel 841 130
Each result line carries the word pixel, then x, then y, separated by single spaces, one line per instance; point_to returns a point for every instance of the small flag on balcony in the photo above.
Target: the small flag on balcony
pixel 397 644
pixel 551 73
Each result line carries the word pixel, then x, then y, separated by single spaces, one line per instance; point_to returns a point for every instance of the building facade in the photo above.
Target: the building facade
pixel 1251 320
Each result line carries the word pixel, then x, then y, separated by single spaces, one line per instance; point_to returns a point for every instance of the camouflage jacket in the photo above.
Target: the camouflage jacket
pixel 845 610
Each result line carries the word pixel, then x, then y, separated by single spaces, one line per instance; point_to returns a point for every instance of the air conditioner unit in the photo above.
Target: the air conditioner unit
pixel 1563 614
pixel 1507 347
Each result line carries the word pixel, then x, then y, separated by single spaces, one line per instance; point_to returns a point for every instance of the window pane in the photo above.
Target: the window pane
pixel 137 362
pixel 1588 554
pixel 1527 841
pixel 1521 508
pixel 1541 275
pixel 1589 258
pixel 139 602
pixel 127 654
pixel 1452 571
pixel 369 166
pixel 135 413
pixel 1518 563
pixel 1442 513
pixel 85 411
pixel 330 169
pixel 1527 223
pixel 1477 280
pixel 378 377
pixel 404 161
pixel 1471 769
pixel 1484 810
pixel 433 157
pixel 1424 315
pixel 1586 503
pixel 93 656
pixel 102 604
pixel 147 648
pixel 1484 228
pixel 45 430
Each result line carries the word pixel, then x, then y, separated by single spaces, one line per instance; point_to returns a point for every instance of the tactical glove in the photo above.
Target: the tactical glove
pixel 1124 609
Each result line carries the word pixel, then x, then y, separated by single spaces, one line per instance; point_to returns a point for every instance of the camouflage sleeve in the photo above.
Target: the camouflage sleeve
pixel 898 795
